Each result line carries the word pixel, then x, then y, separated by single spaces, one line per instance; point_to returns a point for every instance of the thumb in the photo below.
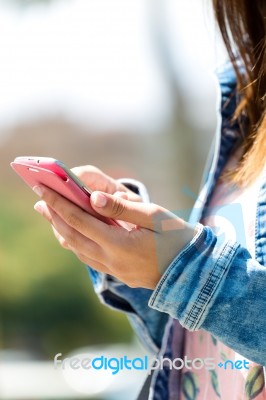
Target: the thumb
pixel 116 207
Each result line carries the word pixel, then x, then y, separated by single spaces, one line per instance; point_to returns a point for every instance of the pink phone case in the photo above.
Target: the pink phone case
pixel 55 175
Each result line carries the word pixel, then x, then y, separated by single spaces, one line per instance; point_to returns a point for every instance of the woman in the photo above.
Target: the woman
pixel 189 292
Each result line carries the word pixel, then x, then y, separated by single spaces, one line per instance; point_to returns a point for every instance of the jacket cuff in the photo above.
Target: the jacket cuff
pixel 192 281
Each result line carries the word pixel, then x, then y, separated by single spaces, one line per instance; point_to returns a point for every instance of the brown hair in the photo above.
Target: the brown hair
pixel 243 27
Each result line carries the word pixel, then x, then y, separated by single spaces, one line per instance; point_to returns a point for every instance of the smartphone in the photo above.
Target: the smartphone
pixel 55 175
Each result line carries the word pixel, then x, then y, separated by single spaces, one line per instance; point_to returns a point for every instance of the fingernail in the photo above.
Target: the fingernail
pixel 38 190
pixel 98 199
pixel 38 207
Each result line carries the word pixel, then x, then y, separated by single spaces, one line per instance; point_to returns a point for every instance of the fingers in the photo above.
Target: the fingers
pixel 78 251
pixel 95 179
pixel 71 240
pixel 72 215
pixel 84 259
pixel 74 224
pixel 92 263
pixel 144 215
pixel 63 243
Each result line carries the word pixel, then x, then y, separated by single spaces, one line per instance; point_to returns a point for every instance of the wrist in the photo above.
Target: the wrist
pixel 177 240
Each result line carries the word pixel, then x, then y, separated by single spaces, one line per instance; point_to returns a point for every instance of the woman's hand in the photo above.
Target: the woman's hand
pixel 96 179
pixel 137 257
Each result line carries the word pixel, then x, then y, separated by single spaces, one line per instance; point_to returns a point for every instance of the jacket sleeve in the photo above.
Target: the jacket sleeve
pixel 217 286
pixel 148 323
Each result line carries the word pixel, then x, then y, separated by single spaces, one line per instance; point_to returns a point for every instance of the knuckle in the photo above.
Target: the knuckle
pixel 84 171
pixel 118 207
pixel 115 265
pixel 72 240
pixel 156 216
pixel 74 221
pixel 52 201
pixel 63 243
pixel 155 210
pixel 82 258
pixel 92 168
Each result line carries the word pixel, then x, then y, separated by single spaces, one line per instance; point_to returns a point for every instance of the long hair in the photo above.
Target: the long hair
pixel 242 24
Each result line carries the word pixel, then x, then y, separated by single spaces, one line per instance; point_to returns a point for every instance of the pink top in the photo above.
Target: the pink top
pixel 225 384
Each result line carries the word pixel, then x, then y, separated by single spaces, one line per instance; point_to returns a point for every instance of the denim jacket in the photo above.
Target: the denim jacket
pixel 211 284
